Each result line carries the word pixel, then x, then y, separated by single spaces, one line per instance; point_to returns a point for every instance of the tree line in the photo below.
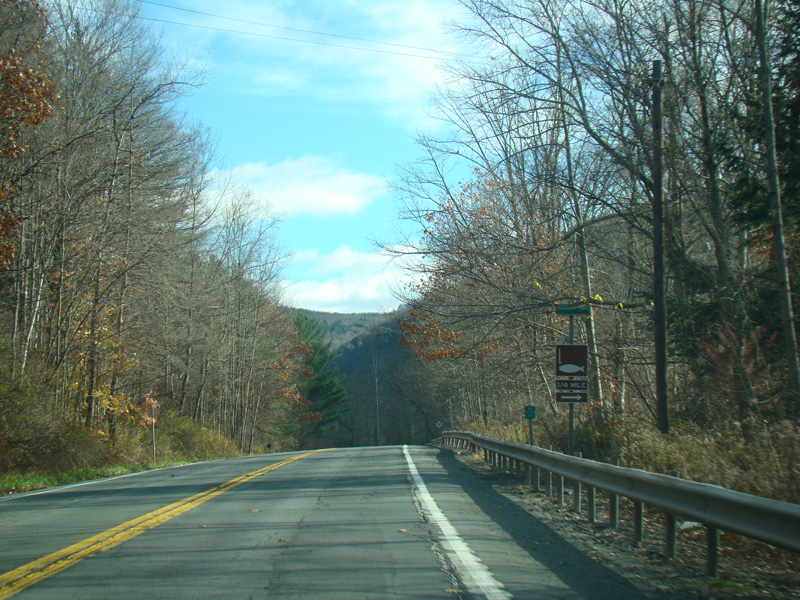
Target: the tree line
pixel 126 270
pixel 541 195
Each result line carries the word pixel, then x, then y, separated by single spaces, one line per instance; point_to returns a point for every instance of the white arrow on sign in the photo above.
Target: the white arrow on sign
pixel 572 397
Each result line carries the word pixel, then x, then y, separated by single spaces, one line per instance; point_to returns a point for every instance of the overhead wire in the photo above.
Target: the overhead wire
pixel 442 53
pixel 295 29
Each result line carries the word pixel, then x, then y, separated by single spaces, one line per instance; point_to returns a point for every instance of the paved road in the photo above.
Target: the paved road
pixel 389 522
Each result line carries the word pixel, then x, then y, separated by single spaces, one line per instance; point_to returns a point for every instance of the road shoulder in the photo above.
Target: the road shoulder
pixel 749 569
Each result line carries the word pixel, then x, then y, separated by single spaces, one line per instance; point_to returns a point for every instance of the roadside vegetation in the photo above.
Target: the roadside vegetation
pixel 136 291
pixel 134 287
pixel 543 194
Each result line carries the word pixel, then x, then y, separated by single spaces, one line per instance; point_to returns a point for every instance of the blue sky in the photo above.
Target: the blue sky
pixel 316 125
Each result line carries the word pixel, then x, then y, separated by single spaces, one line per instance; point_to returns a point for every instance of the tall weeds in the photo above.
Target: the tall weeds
pixel 750 456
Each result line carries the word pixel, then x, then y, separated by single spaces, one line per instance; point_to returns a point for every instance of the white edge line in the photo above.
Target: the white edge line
pixel 475 575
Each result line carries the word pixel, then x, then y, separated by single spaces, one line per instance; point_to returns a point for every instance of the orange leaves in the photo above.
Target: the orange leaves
pixel 9 224
pixel 428 340
pixel 25 100
pixel 151 405
pixel 313 417
pixel 26 94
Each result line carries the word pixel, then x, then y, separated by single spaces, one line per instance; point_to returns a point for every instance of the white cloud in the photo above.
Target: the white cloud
pixel 346 281
pixel 310 185
pixel 276 62
pixel 344 295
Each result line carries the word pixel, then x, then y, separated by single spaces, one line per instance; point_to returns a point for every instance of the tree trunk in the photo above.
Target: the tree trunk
pixel 778 244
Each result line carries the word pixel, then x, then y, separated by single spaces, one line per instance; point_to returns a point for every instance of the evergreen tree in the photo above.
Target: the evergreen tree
pixel 329 400
pixel 787 101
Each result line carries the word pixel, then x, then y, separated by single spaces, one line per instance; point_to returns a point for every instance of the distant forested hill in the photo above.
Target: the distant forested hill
pixel 340 328
pixel 393 399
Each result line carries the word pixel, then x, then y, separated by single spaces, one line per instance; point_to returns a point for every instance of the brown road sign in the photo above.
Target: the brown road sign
pixel 569 397
pixel 572 360
pixel 572 384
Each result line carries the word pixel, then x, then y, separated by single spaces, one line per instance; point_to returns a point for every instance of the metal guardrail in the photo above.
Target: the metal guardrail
pixel 771 521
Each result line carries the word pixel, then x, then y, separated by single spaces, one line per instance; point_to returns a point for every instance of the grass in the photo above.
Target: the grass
pixel 11 483
pixel 724 583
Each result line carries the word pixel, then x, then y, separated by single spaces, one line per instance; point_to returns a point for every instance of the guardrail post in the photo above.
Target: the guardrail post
pixel 485 455
pixel 672 535
pixel 560 489
pixel 536 476
pixel 592 500
pixel 712 559
pixel 672 530
pixel 613 511
pixel 613 507
pixel 638 523
pixel 528 474
pixel 577 492
pixel 548 484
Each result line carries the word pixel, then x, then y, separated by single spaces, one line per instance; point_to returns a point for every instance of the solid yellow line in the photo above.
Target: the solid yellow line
pixel 25 576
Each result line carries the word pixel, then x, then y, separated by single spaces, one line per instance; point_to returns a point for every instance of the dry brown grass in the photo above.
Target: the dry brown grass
pixel 753 456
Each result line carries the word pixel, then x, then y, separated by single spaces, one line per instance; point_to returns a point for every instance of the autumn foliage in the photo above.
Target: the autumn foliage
pixel 26 96
pixel 128 278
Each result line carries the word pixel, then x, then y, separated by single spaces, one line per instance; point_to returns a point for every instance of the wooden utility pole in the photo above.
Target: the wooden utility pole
pixel 659 271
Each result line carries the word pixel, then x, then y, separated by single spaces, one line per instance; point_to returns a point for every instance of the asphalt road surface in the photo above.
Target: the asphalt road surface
pixel 387 522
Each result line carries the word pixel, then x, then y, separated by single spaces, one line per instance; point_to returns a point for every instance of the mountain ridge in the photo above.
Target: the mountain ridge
pixel 342 328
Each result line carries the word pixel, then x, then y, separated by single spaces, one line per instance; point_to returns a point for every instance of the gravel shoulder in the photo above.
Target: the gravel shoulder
pixel 747 569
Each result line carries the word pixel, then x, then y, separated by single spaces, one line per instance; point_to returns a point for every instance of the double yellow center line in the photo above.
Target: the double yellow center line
pixel 22 577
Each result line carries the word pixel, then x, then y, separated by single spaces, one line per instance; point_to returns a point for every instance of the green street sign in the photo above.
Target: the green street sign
pixel 571 310
pixel 530 412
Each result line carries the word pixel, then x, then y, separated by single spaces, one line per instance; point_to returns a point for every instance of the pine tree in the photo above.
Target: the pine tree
pixel 329 400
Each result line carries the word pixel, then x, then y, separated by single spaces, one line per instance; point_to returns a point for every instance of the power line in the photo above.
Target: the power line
pixel 260 24
pixel 286 39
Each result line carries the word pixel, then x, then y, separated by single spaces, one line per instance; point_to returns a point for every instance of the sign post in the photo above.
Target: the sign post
pixel 530 414
pixel 571 361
